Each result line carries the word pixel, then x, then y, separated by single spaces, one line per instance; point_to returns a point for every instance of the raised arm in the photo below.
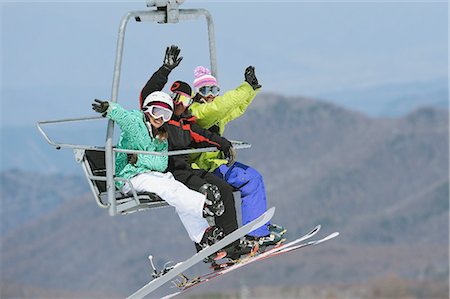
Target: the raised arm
pixel 132 123
pixel 208 114
pixel 229 106
pixel 160 77
pixel 126 120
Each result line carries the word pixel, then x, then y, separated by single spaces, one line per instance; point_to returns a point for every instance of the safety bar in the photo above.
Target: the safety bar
pixel 236 144
pixel 59 145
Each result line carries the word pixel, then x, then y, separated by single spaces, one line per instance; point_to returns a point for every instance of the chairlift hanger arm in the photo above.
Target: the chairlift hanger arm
pixel 161 17
pixel 186 15
pixel 167 11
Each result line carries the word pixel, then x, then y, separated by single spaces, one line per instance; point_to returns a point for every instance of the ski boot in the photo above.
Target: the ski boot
pixel 212 235
pixel 237 250
pixel 233 254
pixel 274 238
pixel 248 247
pixel 277 229
pixel 213 204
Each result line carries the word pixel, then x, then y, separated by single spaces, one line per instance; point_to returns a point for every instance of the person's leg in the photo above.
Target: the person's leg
pixel 188 203
pixel 228 220
pixel 253 194
pixel 196 178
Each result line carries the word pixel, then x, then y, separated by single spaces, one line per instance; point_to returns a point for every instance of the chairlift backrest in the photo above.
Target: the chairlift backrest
pixel 96 160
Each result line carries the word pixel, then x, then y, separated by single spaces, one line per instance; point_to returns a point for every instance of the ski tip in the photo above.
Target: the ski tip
pixel 332 236
pixel 271 211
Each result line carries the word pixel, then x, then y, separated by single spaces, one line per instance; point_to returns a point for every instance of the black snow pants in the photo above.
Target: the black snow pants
pixel 194 179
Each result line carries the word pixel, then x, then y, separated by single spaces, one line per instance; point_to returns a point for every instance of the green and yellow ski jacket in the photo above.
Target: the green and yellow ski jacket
pixel 219 112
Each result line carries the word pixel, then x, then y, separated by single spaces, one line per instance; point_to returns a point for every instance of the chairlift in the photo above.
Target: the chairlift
pixel 98 162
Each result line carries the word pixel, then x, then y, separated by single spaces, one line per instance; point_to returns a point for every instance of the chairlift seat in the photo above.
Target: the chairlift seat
pixel 93 163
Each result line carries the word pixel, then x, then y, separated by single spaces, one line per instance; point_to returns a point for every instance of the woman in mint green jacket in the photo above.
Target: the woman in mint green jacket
pixel 213 112
pixel 145 131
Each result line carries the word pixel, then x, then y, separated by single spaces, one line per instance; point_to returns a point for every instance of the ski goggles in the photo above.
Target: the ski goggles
pixel 179 98
pixel 209 90
pixel 158 111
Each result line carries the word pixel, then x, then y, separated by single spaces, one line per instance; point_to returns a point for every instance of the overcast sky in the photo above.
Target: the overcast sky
pixel 58 56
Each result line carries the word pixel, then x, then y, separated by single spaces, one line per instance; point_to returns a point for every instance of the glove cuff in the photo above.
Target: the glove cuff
pixel 165 69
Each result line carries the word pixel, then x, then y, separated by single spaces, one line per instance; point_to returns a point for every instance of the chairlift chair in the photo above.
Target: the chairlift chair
pixel 98 162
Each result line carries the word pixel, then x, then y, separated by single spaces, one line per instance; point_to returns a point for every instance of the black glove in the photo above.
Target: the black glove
pixel 171 59
pixel 230 154
pixel 250 77
pixel 132 158
pixel 101 107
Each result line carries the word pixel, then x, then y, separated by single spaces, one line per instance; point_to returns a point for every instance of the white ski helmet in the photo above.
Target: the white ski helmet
pixel 158 98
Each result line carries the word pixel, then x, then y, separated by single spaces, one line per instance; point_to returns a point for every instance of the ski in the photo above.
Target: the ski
pixel 310 243
pixel 199 256
pixel 186 284
pixel 273 251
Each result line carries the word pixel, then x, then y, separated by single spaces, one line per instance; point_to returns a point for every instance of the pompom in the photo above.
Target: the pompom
pixel 201 71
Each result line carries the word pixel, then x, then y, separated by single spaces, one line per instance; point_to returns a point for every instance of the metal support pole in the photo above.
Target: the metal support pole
pixel 185 15
pixel 212 42
pixel 110 186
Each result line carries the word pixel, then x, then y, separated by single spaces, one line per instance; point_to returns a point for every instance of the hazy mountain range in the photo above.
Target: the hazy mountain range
pixel 383 183
pixel 393 100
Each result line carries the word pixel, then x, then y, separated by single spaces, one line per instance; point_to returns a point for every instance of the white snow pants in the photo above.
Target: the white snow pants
pixel 188 203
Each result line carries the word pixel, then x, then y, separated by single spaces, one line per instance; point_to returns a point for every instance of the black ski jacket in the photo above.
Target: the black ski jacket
pixel 184 133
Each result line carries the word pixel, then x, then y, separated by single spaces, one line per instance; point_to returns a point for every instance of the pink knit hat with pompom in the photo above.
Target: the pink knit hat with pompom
pixel 203 77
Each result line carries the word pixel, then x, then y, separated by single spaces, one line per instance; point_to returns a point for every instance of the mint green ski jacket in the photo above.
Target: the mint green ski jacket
pixel 222 110
pixel 135 136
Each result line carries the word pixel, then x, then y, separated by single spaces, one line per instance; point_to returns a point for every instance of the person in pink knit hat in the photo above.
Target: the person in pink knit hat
pixel 206 82
pixel 213 112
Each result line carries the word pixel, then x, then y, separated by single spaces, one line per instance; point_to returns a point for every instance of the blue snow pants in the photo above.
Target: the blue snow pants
pixel 253 193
